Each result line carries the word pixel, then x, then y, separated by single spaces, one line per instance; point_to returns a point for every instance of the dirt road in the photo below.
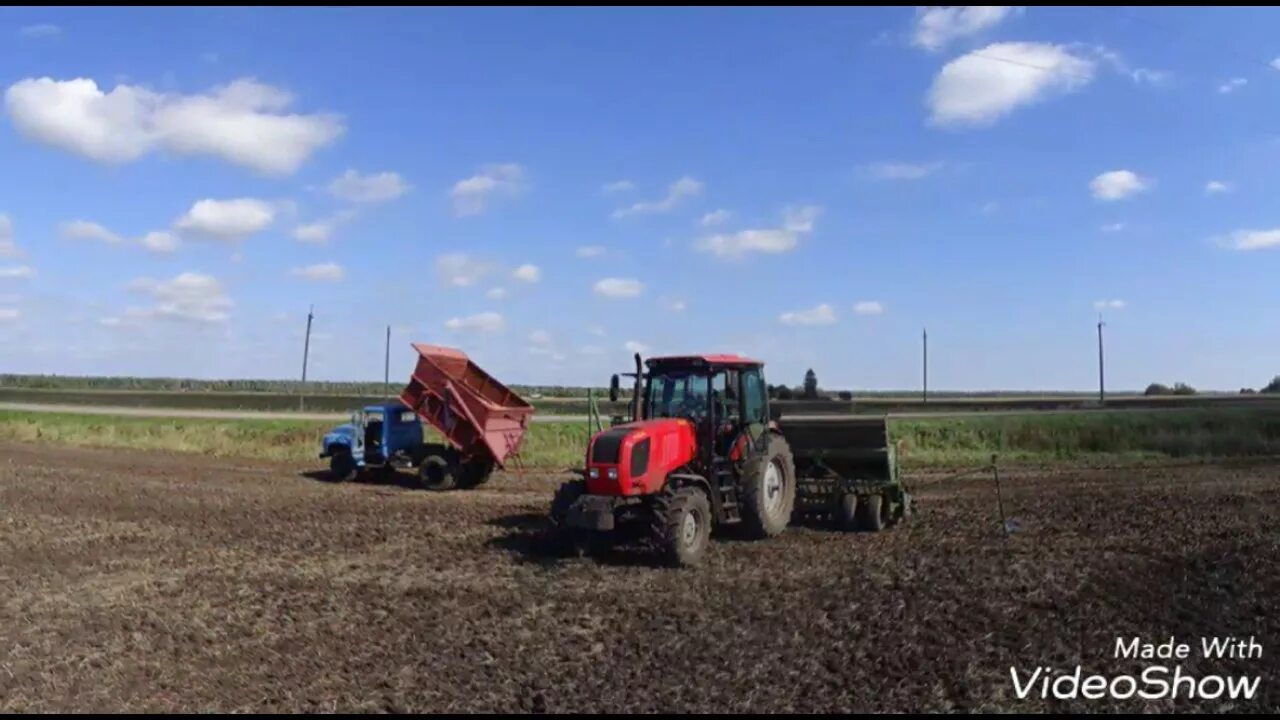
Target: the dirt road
pixel 148 582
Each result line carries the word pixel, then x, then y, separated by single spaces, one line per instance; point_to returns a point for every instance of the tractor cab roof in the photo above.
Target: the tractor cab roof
pixel 723 361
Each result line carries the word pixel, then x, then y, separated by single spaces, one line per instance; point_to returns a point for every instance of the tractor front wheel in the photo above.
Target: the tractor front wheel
pixel 683 529
pixel 342 468
pixel 437 473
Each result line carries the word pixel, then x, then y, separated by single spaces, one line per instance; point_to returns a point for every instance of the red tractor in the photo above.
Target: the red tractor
pixel 703 449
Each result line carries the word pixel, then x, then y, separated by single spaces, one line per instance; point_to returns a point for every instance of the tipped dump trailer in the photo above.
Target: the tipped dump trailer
pixel 483 423
pixel 846 469
pixel 482 420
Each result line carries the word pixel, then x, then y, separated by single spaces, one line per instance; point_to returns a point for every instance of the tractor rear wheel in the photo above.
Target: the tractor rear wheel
pixel 683 526
pixel 869 516
pixel 342 468
pixel 769 489
pixel 437 473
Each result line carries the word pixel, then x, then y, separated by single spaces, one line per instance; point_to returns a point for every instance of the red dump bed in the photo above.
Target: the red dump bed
pixel 478 414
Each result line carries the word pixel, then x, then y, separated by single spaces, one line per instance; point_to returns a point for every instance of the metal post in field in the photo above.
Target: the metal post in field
pixel 1102 385
pixel 924 393
pixel 386 367
pixel 306 350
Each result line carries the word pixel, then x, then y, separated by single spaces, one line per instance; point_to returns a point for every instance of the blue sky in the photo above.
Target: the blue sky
pixel 549 188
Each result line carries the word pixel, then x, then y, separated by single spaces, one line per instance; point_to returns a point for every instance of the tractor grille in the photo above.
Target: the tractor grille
pixel 608 446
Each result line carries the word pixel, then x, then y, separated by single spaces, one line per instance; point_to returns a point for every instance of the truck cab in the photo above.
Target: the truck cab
pixel 387 435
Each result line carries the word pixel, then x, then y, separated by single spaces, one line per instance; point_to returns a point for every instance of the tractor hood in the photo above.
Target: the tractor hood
pixel 635 458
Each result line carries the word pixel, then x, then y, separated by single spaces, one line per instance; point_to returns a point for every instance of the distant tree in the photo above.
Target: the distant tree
pixel 1157 389
pixel 785 393
pixel 1183 389
pixel 845 395
pixel 1273 386
pixel 1248 391
pixel 810 385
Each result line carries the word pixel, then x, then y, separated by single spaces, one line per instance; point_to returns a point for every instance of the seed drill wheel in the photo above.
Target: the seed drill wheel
pixel 683 526
pixel 869 516
pixel 769 490
pixel 847 513
pixel 437 473
pixel 342 468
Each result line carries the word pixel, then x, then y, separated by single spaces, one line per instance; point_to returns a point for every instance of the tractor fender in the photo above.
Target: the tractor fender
pixel 677 480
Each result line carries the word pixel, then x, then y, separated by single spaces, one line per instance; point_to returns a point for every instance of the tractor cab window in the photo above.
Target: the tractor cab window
pixel 755 392
pixel 678 394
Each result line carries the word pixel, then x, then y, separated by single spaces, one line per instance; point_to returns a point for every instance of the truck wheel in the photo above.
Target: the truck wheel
pixel 769 490
pixel 847 513
pixel 868 516
pixel 342 468
pixel 683 526
pixel 437 473
pixel 476 473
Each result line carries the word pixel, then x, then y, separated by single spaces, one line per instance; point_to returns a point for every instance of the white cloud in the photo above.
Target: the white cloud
pixel 497 294
pixel 618 288
pixel 189 296
pixel 159 242
pixel 227 219
pixel 1117 184
pixel 868 307
pixel 317 232
pixel 109 322
pixel 901 170
pixel 1108 304
pixel 8 246
pixel 322 272
pixel 85 230
pixel 1276 63
pixel 591 350
pixel 820 315
pixel 716 217
pixel 244 122
pixel 617 186
pixel 9 314
pixel 17 272
pixel 540 337
pixel 1232 85
pixel 632 346
pixel 589 251
pixel 982 86
pixel 486 322
pixel 674 304
pixel 1254 239
pixel 471 196
pixel 461 270
pixel 372 188
pixel 1150 77
pixel 1113 227
pixel 41 30
pixel 938 26
pixel 596 330
pixel 1214 187
pixel 527 273
pixel 797 221
pixel 685 187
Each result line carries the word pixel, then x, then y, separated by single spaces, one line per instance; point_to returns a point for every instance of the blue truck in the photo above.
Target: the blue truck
pixel 482 423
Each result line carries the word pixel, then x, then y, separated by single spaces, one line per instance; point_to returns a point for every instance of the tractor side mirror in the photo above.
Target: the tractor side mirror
pixel 613 389
pixel 775 413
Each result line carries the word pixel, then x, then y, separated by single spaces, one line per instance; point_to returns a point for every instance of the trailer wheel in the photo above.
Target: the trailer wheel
pixel 847 513
pixel 769 490
pixel 342 468
pixel 869 518
pixel 437 473
pixel 683 526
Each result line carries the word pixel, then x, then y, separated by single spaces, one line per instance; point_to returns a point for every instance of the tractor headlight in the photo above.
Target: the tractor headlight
pixel 594 473
pixel 613 473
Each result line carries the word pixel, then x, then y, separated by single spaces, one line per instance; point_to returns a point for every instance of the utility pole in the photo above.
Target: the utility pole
pixel 1102 385
pixel 924 336
pixel 386 367
pixel 306 350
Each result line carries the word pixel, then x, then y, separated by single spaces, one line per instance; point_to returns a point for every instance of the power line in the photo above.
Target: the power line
pixel 1214 44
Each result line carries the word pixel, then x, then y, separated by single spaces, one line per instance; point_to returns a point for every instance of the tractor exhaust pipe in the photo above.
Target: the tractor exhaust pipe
pixel 635 392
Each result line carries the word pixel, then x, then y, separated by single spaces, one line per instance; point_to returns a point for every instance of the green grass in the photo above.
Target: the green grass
pixel 1085 437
